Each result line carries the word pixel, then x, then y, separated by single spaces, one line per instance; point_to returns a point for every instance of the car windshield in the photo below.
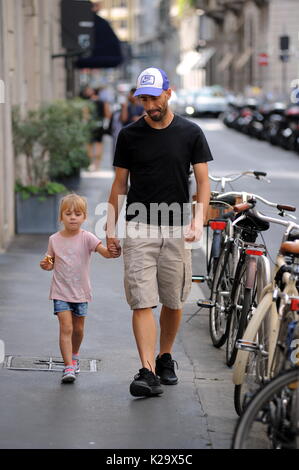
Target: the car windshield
pixel 211 92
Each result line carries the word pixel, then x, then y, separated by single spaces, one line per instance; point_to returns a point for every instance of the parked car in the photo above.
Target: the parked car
pixel 208 100
pixel 181 100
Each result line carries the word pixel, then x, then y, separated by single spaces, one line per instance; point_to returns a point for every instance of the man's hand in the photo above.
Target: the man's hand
pixel 193 232
pixel 113 245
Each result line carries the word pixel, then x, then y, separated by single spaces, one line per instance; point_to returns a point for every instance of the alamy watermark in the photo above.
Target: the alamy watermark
pixel 295 91
pixel 144 219
pixel 295 353
pixel 2 351
pixel 2 92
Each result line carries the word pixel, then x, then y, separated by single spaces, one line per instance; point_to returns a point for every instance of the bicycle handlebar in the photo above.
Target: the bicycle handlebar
pixel 286 223
pixel 247 196
pixel 233 177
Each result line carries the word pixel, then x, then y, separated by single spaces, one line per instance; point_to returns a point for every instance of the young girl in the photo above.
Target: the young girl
pixel 68 254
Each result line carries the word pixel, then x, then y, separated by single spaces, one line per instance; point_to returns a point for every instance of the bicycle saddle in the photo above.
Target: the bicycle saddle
pixel 253 222
pixel 290 247
pixel 231 200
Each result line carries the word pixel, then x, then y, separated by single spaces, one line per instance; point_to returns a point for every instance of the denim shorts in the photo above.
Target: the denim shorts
pixel 77 308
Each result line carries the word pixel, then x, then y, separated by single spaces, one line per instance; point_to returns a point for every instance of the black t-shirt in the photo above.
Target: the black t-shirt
pixel 159 164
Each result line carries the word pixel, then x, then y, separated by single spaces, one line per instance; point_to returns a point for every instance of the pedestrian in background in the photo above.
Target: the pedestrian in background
pixel 101 114
pixel 156 153
pixel 131 109
pixel 68 255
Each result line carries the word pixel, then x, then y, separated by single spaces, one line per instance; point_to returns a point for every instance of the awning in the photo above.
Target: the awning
pixel 243 59
pixel 107 48
pixel 225 61
pixel 189 60
pixel 204 56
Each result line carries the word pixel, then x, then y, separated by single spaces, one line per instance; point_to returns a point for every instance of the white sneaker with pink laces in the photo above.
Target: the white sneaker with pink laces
pixel 68 375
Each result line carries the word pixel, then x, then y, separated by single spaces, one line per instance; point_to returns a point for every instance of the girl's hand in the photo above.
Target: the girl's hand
pixel 47 263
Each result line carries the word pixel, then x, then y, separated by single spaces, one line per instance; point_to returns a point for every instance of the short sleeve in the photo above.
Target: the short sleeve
pixel 121 158
pixel 50 250
pixel 92 241
pixel 201 151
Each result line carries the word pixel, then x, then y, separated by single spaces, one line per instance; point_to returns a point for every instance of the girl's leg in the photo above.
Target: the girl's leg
pixel 78 333
pixel 65 335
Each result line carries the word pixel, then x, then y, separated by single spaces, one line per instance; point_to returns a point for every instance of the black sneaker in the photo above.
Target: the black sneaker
pixel 165 369
pixel 146 383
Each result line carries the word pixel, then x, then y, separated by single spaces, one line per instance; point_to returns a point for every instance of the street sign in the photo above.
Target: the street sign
pixel 284 57
pixel 263 59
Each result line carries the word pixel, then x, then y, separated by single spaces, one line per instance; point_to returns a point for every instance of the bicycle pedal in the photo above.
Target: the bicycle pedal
pixel 199 278
pixel 205 303
pixel 249 346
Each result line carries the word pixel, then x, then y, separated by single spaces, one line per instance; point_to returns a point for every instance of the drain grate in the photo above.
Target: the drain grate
pixel 48 364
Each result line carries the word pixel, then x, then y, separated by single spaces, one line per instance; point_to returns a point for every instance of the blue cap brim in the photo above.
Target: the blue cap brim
pixel 148 91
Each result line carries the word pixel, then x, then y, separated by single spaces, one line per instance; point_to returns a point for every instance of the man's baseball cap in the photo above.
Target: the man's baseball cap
pixel 151 81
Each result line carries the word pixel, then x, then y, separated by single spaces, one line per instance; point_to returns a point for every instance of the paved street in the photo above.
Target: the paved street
pixel 97 411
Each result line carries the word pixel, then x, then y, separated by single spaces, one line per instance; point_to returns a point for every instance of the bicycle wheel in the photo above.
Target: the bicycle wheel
pixel 256 370
pixel 214 256
pixel 241 302
pixel 220 294
pixel 271 419
pixel 281 357
pixel 257 360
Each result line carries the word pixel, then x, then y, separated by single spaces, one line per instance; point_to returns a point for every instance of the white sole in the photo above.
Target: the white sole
pixel 68 379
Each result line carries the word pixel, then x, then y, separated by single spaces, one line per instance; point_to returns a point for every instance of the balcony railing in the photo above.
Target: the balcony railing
pixel 234 5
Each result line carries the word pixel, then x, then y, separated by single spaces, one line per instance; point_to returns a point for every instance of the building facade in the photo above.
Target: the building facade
pixel 247 40
pixel 149 28
pixel 29 36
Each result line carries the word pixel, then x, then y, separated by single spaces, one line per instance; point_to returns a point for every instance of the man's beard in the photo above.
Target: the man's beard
pixel 159 116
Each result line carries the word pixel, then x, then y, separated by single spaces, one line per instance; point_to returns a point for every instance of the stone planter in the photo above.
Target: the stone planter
pixel 37 217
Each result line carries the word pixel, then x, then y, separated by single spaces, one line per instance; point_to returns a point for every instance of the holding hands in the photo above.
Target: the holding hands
pixel 113 246
pixel 111 252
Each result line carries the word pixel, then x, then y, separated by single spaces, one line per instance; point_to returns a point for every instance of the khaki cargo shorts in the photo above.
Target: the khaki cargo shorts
pixel 157 266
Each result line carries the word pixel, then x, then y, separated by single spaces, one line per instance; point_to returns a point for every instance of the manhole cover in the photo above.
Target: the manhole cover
pixel 48 364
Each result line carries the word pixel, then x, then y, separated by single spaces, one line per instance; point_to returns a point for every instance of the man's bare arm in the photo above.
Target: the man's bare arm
pixel 118 192
pixel 202 201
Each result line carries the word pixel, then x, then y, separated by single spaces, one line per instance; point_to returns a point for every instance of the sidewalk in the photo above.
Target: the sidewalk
pixel 97 411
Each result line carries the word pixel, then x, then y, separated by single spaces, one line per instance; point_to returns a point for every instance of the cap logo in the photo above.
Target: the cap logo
pixel 148 80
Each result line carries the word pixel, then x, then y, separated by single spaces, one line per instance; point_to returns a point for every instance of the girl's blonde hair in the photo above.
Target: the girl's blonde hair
pixel 73 201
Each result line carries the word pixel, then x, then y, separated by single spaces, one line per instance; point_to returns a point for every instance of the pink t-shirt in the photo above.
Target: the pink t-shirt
pixel 70 280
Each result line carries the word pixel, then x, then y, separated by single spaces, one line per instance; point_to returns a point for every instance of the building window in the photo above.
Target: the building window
pixel 119 3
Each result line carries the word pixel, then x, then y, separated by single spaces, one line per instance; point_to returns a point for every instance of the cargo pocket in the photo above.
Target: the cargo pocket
pixel 187 281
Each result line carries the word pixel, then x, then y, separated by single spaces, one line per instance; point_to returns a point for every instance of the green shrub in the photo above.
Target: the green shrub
pixel 53 140
pixel 42 192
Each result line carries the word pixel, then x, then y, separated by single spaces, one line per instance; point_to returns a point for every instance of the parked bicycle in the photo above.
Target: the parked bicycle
pixel 242 272
pixel 261 349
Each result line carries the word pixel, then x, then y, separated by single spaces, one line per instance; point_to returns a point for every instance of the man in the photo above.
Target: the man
pixel 156 152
